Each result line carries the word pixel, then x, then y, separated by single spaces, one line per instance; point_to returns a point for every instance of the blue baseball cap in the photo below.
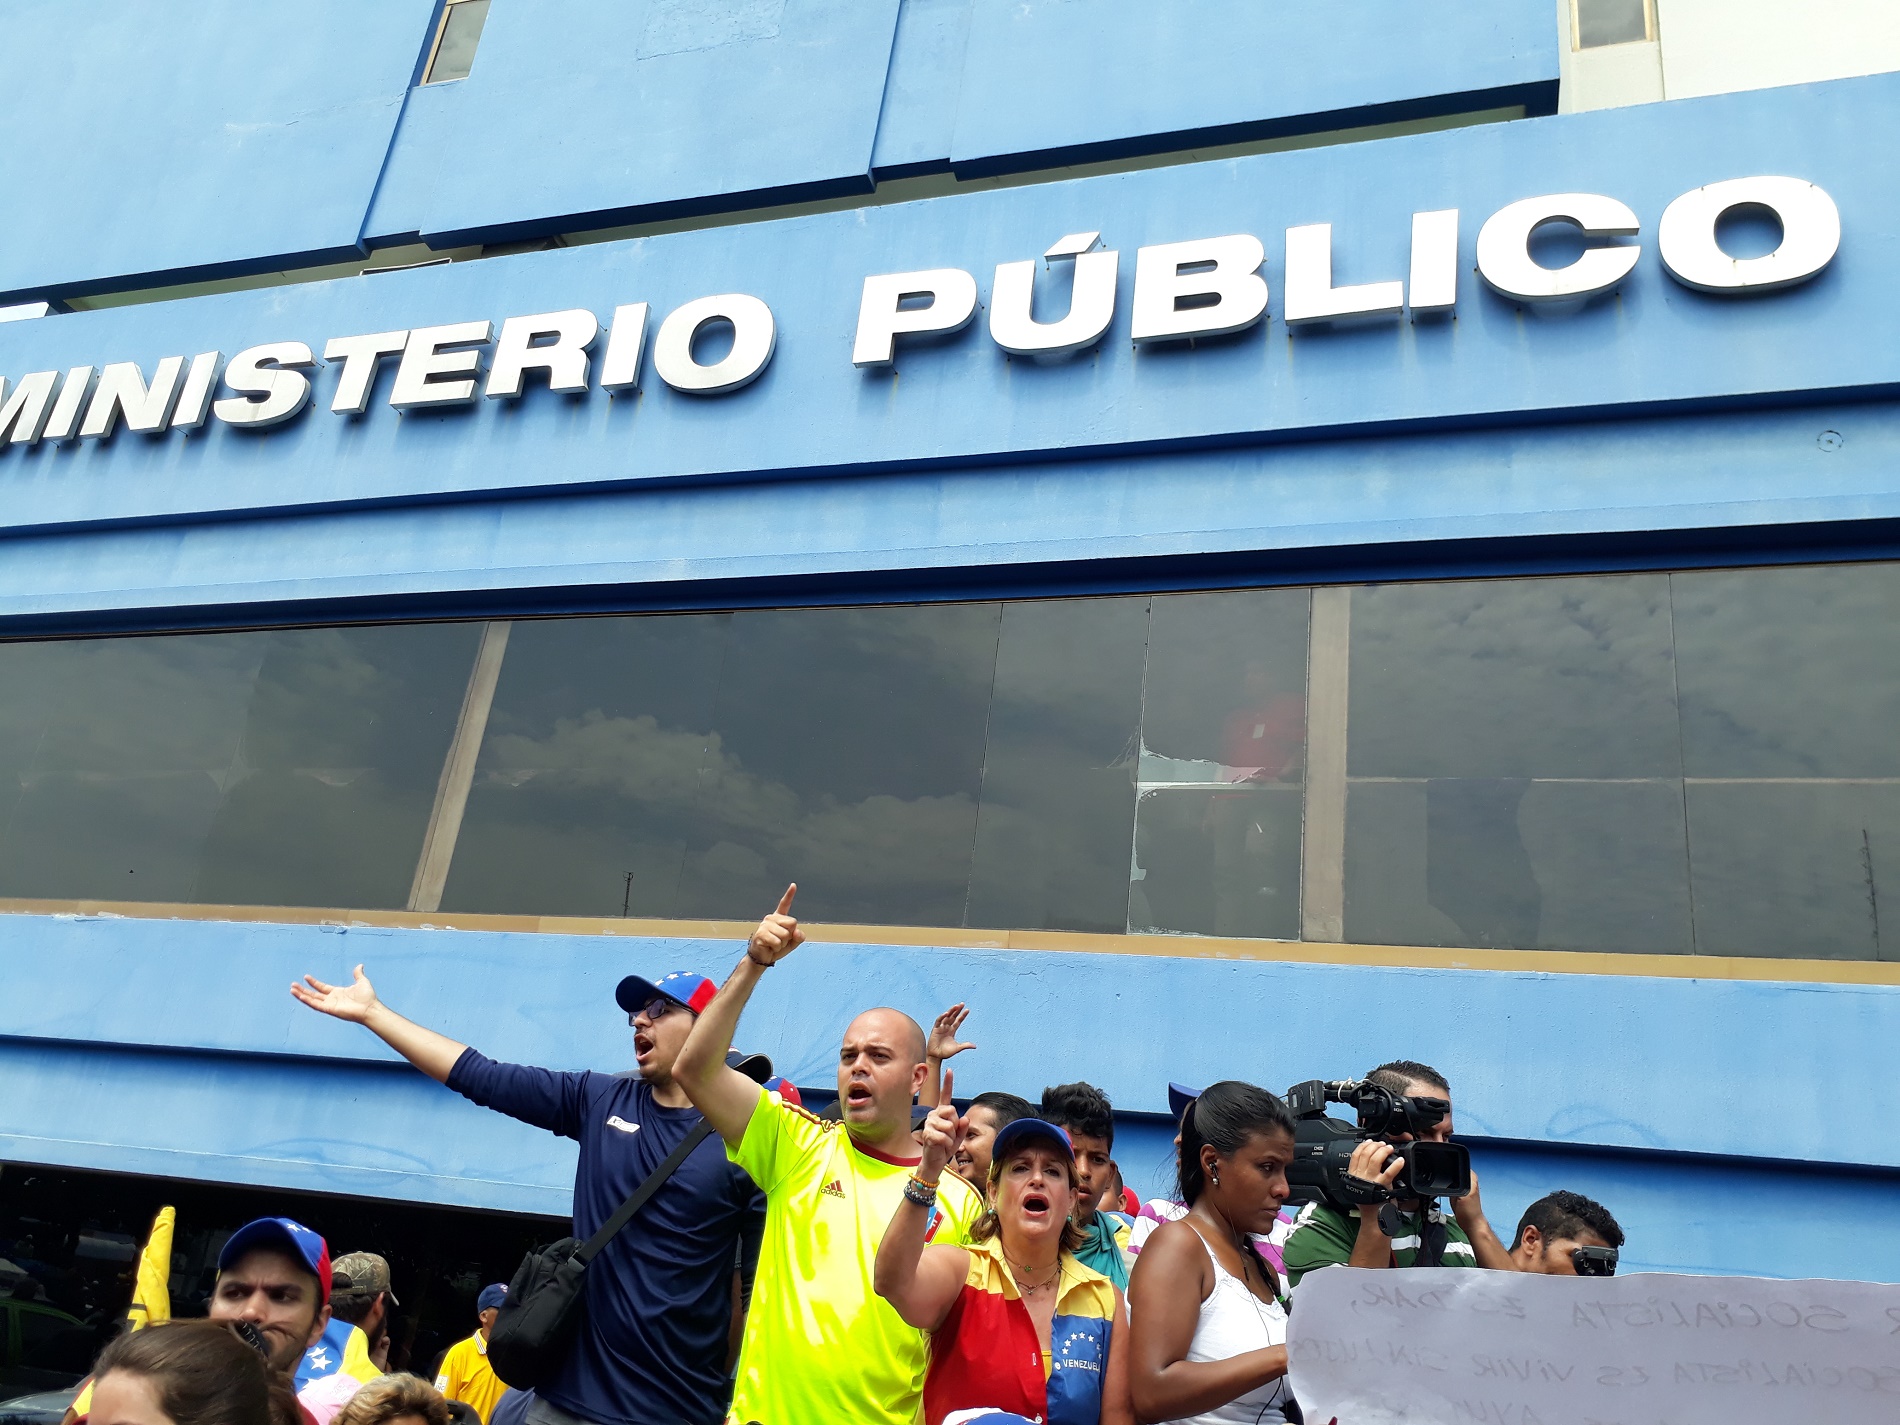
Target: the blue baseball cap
pixel 1015 1132
pixel 281 1234
pixel 1179 1097
pixel 493 1295
pixel 785 1089
pixel 682 987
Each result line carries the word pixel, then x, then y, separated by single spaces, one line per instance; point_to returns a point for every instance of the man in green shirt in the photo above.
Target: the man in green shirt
pixel 1396 1233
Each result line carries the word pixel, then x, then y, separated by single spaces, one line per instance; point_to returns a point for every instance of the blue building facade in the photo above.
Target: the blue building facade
pixel 1240 543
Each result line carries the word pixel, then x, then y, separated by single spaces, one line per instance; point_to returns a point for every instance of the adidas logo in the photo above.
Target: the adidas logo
pixel 834 1188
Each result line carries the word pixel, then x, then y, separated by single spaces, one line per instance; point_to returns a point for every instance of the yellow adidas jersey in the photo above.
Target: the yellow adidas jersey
pixel 820 1344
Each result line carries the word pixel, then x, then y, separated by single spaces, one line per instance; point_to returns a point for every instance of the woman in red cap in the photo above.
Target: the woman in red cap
pixel 1020 1329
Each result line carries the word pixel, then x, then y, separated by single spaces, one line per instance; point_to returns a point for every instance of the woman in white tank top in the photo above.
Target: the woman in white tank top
pixel 1206 1317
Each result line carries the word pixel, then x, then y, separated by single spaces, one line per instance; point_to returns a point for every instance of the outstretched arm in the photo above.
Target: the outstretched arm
pixel 434 1054
pixel 726 1096
pixel 942 1044
pixel 921 1282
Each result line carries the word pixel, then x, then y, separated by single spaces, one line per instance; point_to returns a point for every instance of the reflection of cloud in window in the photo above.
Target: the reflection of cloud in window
pixel 633 757
pixel 1558 677
pixel 747 825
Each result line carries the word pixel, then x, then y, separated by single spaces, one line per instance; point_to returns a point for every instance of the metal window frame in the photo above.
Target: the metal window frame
pixel 1650 33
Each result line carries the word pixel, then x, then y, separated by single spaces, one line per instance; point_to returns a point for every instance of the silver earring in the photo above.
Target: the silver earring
pixel 1216 1177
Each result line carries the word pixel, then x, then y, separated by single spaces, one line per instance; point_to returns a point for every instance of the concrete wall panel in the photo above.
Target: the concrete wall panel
pixel 145 139
pixel 1653 345
pixel 1719 46
pixel 1061 79
pixel 578 114
pixel 174 1048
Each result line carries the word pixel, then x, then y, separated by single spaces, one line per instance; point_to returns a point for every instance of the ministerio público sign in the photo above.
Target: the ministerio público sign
pixel 1203 287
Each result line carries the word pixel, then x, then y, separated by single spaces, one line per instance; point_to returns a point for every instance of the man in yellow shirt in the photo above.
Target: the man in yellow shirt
pixel 820 1344
pixel 466 1374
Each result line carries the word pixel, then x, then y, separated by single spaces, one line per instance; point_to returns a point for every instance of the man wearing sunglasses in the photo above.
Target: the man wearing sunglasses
pixel 662 1315
pixel 1567 1235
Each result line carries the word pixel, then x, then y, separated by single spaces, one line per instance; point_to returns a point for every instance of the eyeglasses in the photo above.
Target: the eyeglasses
pixel 654 1009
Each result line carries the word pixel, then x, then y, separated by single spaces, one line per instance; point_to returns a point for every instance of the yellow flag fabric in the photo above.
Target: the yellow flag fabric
pixel 151 1291
pixel 356 1361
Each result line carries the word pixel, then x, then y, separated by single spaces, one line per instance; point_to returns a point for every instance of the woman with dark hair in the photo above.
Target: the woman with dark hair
pixel 1209 1332
pixel 188 1373
pixel 1019 1328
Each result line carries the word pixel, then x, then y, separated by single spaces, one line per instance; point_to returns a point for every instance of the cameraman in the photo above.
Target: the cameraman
pixel 1396 1233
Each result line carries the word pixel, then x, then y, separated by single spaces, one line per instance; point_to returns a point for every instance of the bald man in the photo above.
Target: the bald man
pixel 820 1344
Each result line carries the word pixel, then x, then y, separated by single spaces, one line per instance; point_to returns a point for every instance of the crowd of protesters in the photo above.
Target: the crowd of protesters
pixel 894 1259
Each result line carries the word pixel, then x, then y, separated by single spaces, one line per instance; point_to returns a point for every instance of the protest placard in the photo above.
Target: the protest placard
pixel 1452 1347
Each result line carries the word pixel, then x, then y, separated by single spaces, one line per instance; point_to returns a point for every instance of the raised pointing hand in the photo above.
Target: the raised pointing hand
pixel 351 1002
pixel 778 934
pixel 942 1132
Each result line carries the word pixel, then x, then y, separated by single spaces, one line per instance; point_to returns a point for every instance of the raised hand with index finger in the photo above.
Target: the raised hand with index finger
pixel 942 1134
pixel 778 934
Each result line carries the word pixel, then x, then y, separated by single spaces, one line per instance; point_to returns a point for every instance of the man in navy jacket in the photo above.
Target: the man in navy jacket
pixel 662 1298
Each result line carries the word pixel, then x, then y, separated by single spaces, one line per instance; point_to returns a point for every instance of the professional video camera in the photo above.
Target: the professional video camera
pixel 1323 1146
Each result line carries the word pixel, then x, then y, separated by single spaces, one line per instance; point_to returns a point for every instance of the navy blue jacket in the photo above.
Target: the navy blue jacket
pixel 659 1296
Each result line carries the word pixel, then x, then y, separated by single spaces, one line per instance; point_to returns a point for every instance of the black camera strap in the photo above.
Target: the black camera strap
pixel 649 1185
pixel 1432 1233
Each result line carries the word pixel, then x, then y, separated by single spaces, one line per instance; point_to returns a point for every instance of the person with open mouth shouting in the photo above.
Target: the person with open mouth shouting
pixel 819 1344
pixel 1020 1328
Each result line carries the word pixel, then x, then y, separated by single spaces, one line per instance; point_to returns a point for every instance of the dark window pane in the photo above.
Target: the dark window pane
pixel 1790 672
pixel 1514 769
pixel 343 747
pixel 1790 697
pixel 287 768
pixel 590 771
pixel 461 32
pixel 1218 863
pixel 1802 870
pixel 1217 839
pixel 1611 22
pixel 1514 863
pixel 847 755
pixel 1055 831
pixel 122 749
pixel 1518 678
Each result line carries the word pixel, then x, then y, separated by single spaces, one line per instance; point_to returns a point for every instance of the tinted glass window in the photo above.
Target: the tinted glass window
pixel 1514 773
pixel 692 765
pixel 1790 700
pixel 295 767
pixel 1611 22
pixel 589 776
pixel 1223 742
pixel 461 33
pixel 847 755
pixel 1054 832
